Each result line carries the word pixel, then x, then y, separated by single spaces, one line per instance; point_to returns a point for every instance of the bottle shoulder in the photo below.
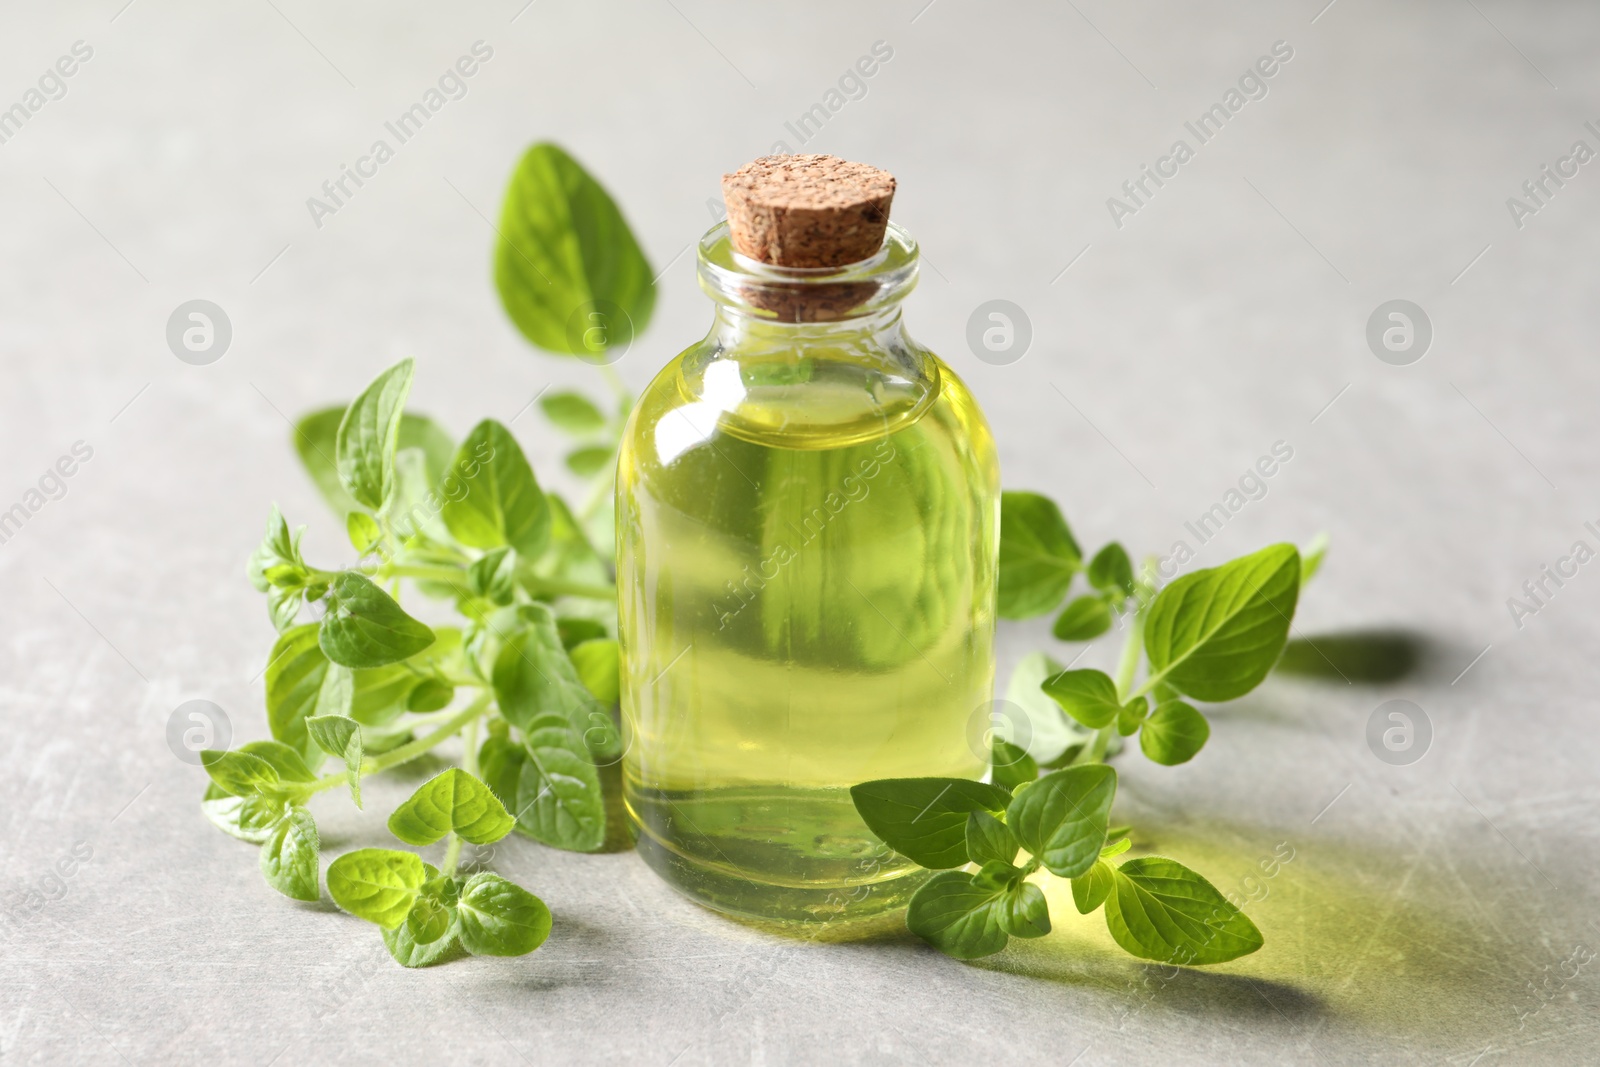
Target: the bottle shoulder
pixel 808 396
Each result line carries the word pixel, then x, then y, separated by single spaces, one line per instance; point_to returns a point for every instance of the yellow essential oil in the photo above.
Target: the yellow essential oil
pixel 807 528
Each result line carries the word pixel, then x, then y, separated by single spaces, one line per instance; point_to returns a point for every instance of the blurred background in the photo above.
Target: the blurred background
pixel 1438 907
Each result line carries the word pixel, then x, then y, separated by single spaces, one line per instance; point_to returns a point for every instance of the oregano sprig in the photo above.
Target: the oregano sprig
pixel 1211 635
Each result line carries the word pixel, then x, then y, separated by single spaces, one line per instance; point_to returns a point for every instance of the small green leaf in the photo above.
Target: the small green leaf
pixel 1116 848
pixel 283 605
pixel 502 503
pixel 559 800
pixel 958 917
pixel 369 433
pixel 430 933
pixel 925 819
pixel 1011 766
pixel 1161 910
pixel 1174 733
pixel 363 531
pixel 430 694
pixel 364 627
pixel 289 856
pixel 500 918
pixel 1038 555
pixel 590 460
pixel 1214 634
pixel 1111 571
pixel 565 252
pixel 248 818
pixel 1084 619
pixel 997 874
pixel 376 884
pixel 1061 819
pixel 1132 714
pixel 296 670
pixel 277 552
pixel 1047 732
pixel 989 839
pixel 1089 696
pixel 1090 889
pixel 572 412
pixel 575 631
pixel 493 575
pixel 240 773
pixel 500 763
pixel 454 800
pixel 1025 912
pixel 340 737
pixel 599 665
pixel 316 441
pixel 285 759
pixel 1311 558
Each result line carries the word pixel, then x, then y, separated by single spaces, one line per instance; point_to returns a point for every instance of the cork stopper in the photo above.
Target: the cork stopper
pixel 807 211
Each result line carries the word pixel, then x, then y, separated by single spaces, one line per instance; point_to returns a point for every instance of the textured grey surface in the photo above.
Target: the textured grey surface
pixel 1426 913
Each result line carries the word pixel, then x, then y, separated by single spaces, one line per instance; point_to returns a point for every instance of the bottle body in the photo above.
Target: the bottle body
pixel 807 529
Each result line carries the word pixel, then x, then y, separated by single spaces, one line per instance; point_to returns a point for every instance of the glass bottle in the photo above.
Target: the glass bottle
pixel 807 527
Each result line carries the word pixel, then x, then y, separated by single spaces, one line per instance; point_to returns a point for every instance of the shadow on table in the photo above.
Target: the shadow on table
pixel 1372 656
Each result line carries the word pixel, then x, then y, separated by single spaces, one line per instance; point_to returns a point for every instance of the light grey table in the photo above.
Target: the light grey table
pixel 1428 909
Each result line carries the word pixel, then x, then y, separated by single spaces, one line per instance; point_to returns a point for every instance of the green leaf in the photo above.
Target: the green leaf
pixel 430 933
pixel 376 884
pixel 1111 571
pixel 493 575
pixel 1311 558
pixel 564 251
pixel 454 800
pixel 278 552
pixel 590 460
pixel 599 666
pixel 284 759
pixel 1038 555
pixel 364 627
pixel 1084 619
pixel 340 737
pixel 1174 733
pixel 925 819
pixel 500 918
pixel 369 434
pixel 1047 732
pixel 1116 848
pixel 572 412
pixel 1132 714
pixel 534 676
pixel 382 693
pixel 1061 819
pixel 575 631
pixel 289 857
pixel 1011 766
pixel 283 605
pixel 363 531
pixel 1025 912
pixel 248 818
pixel 408 952
pixel 559 800
pixel 502 503
pixel 958 917
pixel 1215 634
pixel 316 441
pixel 1161 910
pixel 1089 696
pixel 240 773
pixel 988 839
pixel 430 694
pixel 1090 889
pixel 500 763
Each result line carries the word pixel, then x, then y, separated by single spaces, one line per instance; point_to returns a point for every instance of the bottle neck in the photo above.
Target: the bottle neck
pixel 809 358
